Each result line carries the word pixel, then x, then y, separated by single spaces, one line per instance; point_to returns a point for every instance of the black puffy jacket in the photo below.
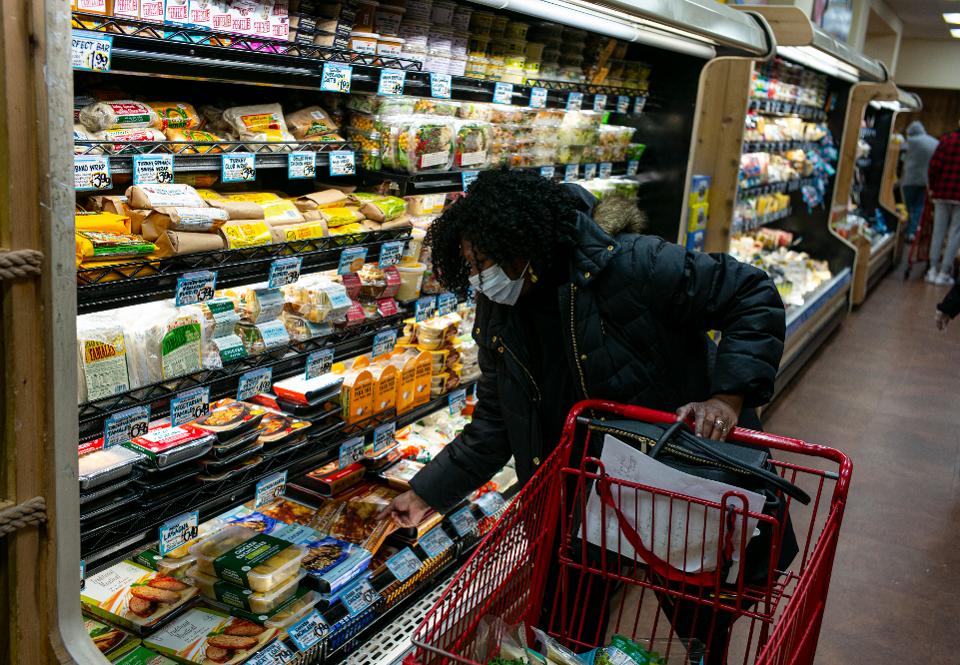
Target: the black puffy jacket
pixel 635 320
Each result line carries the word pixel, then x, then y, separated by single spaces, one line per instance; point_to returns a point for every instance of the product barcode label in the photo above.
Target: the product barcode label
pixel 342 162
pixel 359 597
pixel 404 564
pixel 351 451
pixel 284 271
pixel 351 260
pixel 503 93
pixel 570 172
pixel 308 631
pixel 91 173
pixel 435 542
pixel 606 170
pixel 574 101
pixel 425 308
pixel 301 165
pixel 195 287
pixel 390 253
pixel 391 82
pixel 623 104
pixel 440 85
pixel 383 437
pixel 125 425
pixel 336 77
pixel 178 532
pixel 457 401
pixel 189 405
pixel 599 102
pixel 152 169
pixel 538 98
pixel 383 343
pixel 463 521
pixel 91 51
pixel 255 382
pixel 547 172
pixel 491 503
pixel 318 363
pixel 468 177
pixel 589 171
pixel 270 489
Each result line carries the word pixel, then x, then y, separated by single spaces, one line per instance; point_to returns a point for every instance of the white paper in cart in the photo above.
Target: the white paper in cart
pixel 676 532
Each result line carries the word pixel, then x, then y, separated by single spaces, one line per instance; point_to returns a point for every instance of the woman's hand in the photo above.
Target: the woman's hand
pixel 406 509
pixel 715 418
pixel 942 320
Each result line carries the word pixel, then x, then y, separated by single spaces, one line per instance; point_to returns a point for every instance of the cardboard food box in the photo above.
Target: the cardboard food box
pixel 205 635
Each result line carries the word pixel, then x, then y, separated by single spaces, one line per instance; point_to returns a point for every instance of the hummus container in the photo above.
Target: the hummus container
pixel 390 46
pixel 364 42
pixel 242 598
pixel 106 464
pixel 164 445
pixel 205 635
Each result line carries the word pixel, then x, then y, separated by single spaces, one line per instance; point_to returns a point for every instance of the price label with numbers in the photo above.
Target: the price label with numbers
pixel 318 363
pixel 435 542
pixel 606 169
pixel 91 173
pixel 633 166
pixel 195 287
pixel 463 521
pixel 269 489
pixel 336 77
pixel 152 169
pixel 351 260
pixel 599 102
pixel 359 597
pixel 284 271
pixel 623 104
pixel 351 451
pixel 446 303
pixel 589 171
pixel 308 632
pixel 547 172
pixel 125 425
pixel 538 98
pixel 503 93
pixel 178 532
pixel 491 503
pixel 384 437
pixel 570 172
pixel 467 178
pixel 238 167
pixel 91 51
pixel 457 401
pixel 275 653
pixel 301 165
pixel 391 82
pixel 390 253
pixel 255 382
pixel 574 101
pixel 383 343
pixel 425 308
pixel 404 564
pixel 638 103
pixel 342 162
pixel 189 405
pixel 440 85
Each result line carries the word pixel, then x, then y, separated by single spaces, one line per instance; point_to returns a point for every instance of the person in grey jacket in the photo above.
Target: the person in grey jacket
pixel 913 181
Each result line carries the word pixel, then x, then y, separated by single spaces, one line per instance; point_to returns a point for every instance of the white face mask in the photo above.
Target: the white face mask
pixel 495 284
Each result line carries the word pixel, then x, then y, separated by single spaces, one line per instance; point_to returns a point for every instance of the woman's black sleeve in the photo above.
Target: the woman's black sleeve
pixel 951 304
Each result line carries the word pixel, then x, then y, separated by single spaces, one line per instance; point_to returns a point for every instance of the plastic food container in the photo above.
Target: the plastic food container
pixel 437 63
pixel 364 42
pixel 102 466
pixel 477 45
pixel 365 15
pixel 411 253
pixel 387 19
pixel 517 30
pixel 442 12
pixel 534 51
pixel 415 35
pixel 294 611
pixel 458 65
pixel 419 10
pixel 499 27
pixel 218 543
pixel 440 39
pixel 458 46
pixel 263 577
pixel 515 60
pixel 481 23
pixel 411 281
pixel 476 67
pixel 473 143
pixel 390 46
pixel 244 599
pixel 461 18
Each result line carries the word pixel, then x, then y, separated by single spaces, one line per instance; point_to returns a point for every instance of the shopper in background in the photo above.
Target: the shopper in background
pixel 944 181
pixel 568 311
pixel 918 149
pixel 948 308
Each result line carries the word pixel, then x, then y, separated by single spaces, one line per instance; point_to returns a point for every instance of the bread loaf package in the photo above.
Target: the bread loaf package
pixel 122 114
pixel 328 198
pixel 193 136
pixel 176 115
pixel 261 122
pixel 195 220
pixel 178 243
pixel 101 358
pixel 151 197
pixel 311 123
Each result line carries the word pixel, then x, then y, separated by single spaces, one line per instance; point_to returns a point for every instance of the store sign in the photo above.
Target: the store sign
pixel 467 178
pixel 633 166
pixel 383 343
pixel 547 172
pixel 599 102
pixel 435 542
pixel 491 503
pixel 152 169
pixel 178 532
pixel 359 597
pixel 195 287
pixel 351 452
pixel 351 260
pixel 238 167
pixel 503 93
pixel 440 85
pixel 606 170
pixel 284 271
pixel 301 165
pixel 318 363
pixel 390 253
pixel 391 82
pixel 91 173
pixel 269 489
pixel 425 308
pixel 574 101
pixel 308 632
pixel 125 425
pixel 342 162
pixel 457 401
pixel 538 98
pixel 336 77
pixel 190 405
pixel 463 521
pixel 623 104
pixel 570 172
pixel 275 653
pixel 404 564
pixel 255 382
pixel 91 51
pixel 589 171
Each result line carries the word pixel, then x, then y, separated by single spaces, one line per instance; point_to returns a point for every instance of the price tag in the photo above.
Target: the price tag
pixel 301 165
pixel 435 542
pixel 178 532
pixel 238 167
pixel 359 597
pixel 269 489
pixel 446 303
pixel 91 51
pixel 275 653
pixel 351 451
pixel 255 382
pixel 547 172
pixel 195 287
pixel 440 85
pixel 190 405
pixel 91 173
pixel 599 102
pixel 125 425
pixel 589 171
pixel 391 82
pixel 574 101
pixel 457 401
pixel 308 631
pixel 606 169
pixel 384 437
pixel 404 564
pixel 152 169
pixel 383 343
pixel 503 93
pixel 570 172
pixel 336 77
pixel 491 503
pixel 351 260
pixel 638 103
pixel 623 104
pixel 318 363
pixel 284 271
pixel 538 98
pixel 83 574
pixel 390 253
pixel 342 162
pixel 632 167
pixel 467 178
pixel 463 521
pixel 425 308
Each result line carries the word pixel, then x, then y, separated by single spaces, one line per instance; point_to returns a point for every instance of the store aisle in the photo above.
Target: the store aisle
pixel 886 390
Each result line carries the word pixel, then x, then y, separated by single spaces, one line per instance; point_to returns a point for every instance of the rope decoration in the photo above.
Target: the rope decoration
pixel 19 263
pixel 23 515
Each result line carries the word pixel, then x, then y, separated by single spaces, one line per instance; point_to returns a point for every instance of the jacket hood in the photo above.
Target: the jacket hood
pixel 916 128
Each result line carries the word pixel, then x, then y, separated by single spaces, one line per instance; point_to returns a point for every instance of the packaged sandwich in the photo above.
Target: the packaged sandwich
pixel 97 245
pixel 178 243
pixel 384 209
pixel 204 635
pixel 317 299
pixel 176 115
pixel 123 114
pixel 262 122
pixel 328 198
pixel 164 196
pixel 239 234
pixel 194 220
pixel 310 123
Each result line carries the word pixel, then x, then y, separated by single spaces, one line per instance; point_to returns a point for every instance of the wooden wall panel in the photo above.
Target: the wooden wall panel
pixel 940 114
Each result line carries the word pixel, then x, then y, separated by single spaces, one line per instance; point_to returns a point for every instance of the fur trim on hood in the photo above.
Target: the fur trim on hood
pixel 615 215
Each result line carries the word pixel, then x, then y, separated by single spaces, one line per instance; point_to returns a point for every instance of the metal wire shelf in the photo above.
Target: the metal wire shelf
pixel 588 88
pixel 777 146
pixel 787 109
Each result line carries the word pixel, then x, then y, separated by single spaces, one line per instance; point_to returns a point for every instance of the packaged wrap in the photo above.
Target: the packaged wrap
pixel 317 299
pixel 246 233
pixel 328 198
pixel 311 123
pixel 195 220
pixel 304 231
pixel 384 209
pixel 193 136
pixel 235 208
pixel 276 210
pixel 262 122
pixel 179 243
pixel 164 342
pixel 347 229
pixel 123 114
pixel 400 222
pixel 102 221
pixel 114 204
pixel 101 358
pixel 151 197
pixel 176 115
pixel 81 133
pixel 97 245
pixel 342 216
pixel 121 137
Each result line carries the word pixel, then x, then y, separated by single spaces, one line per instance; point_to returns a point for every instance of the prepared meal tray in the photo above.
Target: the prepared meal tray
pixel 242 598
pixel 134 597
pixel 214 465
pixel 227 448
pixel 319 414
pixel 277 429
pixel 400 474
pixel 330 563
pixel 158 481
pixel 105 465
pixel 253 520
pixel 166 565
pixel 107 506
pixel 234 472
pixel 111 641
pixel 165 445
pixel 308 392
pixel 355 518
pixel 205 635
pixel 288 449
pixel 229 418
pixel 330 479
pixel 104 490
pixel 289 511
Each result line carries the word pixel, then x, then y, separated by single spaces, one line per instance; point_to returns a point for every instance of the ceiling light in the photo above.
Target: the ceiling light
pixel 955 33
pixel 952 17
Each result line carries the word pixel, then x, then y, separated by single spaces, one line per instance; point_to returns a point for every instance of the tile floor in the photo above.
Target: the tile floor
pixel 886 390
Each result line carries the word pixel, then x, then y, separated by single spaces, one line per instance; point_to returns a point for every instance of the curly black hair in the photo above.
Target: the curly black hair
pixel 506 215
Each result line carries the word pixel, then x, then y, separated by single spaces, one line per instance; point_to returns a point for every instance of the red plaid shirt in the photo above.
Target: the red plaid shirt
pixel 943 173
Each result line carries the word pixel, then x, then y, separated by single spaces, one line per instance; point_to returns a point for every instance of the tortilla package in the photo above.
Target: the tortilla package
pixel 123 114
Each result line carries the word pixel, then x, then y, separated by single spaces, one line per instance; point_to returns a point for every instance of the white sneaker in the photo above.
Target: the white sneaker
pixel 932 277
pixel 944 279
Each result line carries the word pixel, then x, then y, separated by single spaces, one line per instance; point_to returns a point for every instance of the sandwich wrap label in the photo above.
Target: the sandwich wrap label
pixel 152 169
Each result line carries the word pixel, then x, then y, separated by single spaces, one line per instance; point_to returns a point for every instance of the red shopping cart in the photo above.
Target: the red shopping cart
pixel 542 566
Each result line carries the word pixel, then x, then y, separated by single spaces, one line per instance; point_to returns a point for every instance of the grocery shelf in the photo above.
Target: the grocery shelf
pixel 777 146
pixel 881 259
pixel 771 187
pixel 740 226
pixel 146 280
pixel 787 109
pixel 797 316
